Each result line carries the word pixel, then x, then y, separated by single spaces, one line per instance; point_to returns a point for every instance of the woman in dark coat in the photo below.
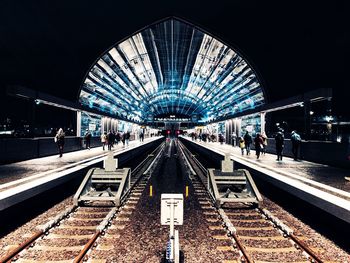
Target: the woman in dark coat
pixel 258 143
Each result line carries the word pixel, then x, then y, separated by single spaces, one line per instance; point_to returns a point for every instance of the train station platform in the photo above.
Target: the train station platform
pixel 321 185
pixel 22 180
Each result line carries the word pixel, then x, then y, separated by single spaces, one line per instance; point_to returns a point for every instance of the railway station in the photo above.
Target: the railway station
pixel 173 132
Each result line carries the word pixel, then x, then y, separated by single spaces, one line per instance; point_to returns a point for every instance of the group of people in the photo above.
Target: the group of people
pixel 113 137
pixel 204 137
pixel 108 139
pixel 295 139
pixel 260 144
pixel 260 141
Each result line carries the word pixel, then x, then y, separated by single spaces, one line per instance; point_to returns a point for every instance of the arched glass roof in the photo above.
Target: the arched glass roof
pixel 171 68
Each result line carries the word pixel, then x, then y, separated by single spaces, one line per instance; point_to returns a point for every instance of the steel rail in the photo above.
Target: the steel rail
pixel 25 244
pixel 139 166
pixel 289 233
pixel 242 248
pixel 13 253
pixel 86 248
pixel 204 171
pixel 306 248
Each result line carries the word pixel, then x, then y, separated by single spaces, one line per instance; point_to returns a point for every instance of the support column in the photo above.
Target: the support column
pixel 227 132
pixel 307 120
pixel 238 126
pixel 78 133
pixel 262 122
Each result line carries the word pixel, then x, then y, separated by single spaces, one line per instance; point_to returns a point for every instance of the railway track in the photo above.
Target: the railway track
pixel 141 238
pixel 258 235
pixel 73 233
pixel 132 232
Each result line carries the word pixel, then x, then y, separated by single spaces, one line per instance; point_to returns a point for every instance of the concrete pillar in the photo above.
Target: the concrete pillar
pixel 307 119
pixel 238 126
pixel 78 133
pixel 262 122
pixel 227 132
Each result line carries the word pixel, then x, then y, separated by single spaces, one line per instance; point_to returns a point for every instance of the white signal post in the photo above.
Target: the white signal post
pixel 171 214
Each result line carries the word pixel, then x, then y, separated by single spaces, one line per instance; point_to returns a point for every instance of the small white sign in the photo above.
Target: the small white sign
pixel 168 202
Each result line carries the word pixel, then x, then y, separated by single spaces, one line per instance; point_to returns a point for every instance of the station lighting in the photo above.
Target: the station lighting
pixel 171 68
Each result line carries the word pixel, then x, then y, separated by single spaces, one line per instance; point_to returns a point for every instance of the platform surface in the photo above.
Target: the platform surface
pixel 325 186
pixel 22 180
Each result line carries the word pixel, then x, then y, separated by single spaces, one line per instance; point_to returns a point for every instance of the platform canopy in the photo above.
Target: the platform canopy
pixel 171 69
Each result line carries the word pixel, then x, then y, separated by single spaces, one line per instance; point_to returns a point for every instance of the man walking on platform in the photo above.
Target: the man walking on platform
pixel 247 141
pixel 87 138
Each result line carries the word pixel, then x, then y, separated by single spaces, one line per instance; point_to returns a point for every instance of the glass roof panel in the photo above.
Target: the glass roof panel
pixel 171 68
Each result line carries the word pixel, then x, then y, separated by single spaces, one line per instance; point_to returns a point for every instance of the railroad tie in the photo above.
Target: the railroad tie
pixel 22 260
pixel 211 220
pixel 271 249
pixel 215 227
pixel 225 248
pixel 263 238
pixel 104 247
pixel 221 237
pixel 117 227
pixel 51 248
pixel 210 213
pixel 54 236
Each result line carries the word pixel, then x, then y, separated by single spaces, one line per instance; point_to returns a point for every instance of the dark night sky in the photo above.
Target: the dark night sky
pixel 295 46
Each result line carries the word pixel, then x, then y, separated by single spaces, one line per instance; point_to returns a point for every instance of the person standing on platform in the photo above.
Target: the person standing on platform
pixel 258 143
pixel 110 139
pixel 117 137
pixel 193 136
pixel 104 140
pixel 59 139
pixel 123 139
pixel 264 138
pixel 127 138
pixel 279 138
pixel 296 141
pixel 234 139
pixel 221 138
pixel 241 144
pixel 141 136
pixel 247 141
pixel 114 137
pixel 87 138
